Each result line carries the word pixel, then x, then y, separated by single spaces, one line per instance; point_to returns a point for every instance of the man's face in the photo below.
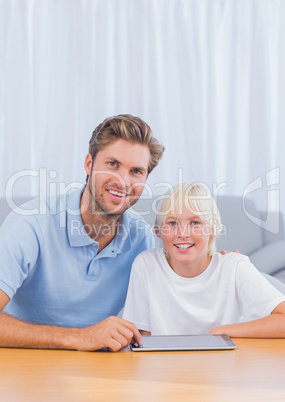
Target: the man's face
pixel 118 176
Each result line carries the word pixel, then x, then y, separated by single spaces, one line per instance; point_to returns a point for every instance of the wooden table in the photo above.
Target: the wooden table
pixel 255 371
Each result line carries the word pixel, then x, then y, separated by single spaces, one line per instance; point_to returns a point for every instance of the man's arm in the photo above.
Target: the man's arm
pixel 113 333
pixel 224 252
pixel 272 326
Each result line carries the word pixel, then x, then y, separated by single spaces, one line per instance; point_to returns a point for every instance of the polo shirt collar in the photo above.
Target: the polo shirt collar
pixel 122 240
pixel 77 234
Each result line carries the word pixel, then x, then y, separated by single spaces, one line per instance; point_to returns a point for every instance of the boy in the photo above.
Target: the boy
pixel 188 288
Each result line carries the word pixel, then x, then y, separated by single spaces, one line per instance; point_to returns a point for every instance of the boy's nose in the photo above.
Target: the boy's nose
pixel 184 231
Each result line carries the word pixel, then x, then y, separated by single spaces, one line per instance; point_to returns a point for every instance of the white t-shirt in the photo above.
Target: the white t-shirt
pixel 164 303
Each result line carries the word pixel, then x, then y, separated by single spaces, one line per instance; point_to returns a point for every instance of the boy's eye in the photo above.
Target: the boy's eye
pixel 172 223
pixel 194 223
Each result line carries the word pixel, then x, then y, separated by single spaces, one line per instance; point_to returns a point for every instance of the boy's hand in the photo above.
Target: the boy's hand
pixel 218 330
pixel 226 252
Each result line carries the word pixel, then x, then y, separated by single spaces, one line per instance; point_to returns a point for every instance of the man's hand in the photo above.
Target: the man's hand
pixel 113 333
pixel 226 252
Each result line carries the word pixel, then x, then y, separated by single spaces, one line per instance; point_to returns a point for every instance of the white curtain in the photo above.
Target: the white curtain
pixel 207 75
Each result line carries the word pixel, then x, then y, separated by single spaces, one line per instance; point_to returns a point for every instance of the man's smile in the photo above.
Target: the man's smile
pixel 118 193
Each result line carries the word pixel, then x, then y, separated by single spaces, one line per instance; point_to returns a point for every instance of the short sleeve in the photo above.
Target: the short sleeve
pixel 256 297
pixel 19 250
pixel 137 305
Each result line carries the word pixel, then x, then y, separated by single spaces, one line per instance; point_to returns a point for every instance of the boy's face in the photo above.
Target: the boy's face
pixel 186 237
pixel 117 176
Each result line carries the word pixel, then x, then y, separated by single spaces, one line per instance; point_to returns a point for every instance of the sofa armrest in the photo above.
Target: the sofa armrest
pixel 270 258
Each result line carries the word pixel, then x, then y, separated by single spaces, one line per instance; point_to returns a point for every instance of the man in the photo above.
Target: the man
pixel 64 274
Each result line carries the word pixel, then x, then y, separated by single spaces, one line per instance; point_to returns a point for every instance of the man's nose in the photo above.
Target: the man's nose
pixel 126 179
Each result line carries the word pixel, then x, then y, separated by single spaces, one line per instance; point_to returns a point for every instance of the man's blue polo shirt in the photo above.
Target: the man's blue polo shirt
pixel 50 269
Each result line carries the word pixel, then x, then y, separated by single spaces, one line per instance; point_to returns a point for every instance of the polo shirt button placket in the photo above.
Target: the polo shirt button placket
pixel 93 270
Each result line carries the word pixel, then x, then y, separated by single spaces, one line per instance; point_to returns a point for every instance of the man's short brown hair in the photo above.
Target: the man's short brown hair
pixel 128 128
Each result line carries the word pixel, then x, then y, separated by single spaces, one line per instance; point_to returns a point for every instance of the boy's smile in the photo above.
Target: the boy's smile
pixel 183 246
pixel 186 237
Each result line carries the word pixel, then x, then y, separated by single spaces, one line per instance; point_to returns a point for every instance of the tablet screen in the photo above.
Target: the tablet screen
pixel 184 342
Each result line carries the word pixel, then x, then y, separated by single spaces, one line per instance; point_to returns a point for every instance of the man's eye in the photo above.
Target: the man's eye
pixel 113 164
pixel 137 171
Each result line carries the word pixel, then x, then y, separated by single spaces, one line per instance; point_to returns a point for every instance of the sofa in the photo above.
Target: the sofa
pixel 265 249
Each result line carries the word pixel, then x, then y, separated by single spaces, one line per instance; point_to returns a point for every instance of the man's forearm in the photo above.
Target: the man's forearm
pixel 145 332
pixel 15 333
pixel 113 333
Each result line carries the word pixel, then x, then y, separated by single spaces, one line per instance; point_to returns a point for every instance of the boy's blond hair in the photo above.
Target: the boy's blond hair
pixel 198 200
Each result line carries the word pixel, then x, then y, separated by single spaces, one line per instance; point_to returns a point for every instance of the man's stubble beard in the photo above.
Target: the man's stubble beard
pixel 98 207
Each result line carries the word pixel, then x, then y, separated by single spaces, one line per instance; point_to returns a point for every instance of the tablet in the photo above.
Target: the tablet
pixel 184 342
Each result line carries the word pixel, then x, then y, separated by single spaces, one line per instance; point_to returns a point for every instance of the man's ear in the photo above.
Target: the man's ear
pixel 88 164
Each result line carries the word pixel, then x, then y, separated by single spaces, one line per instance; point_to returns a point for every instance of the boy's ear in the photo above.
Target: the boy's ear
pixel 158 233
